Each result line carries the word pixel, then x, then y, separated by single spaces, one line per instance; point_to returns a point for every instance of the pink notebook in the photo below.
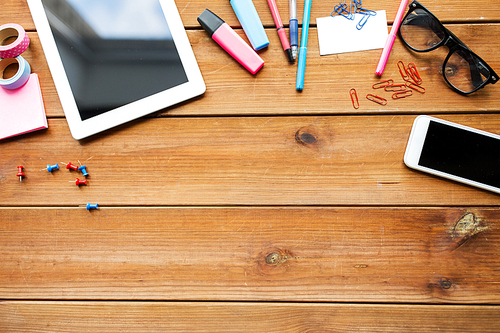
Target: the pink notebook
pixel 22 110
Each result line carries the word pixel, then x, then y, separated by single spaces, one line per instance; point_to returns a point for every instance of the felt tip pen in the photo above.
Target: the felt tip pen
pixel 301 66
pixel 230 41
pixel 281 29
pixel 250 22
pixel 294 28
pixel 391 38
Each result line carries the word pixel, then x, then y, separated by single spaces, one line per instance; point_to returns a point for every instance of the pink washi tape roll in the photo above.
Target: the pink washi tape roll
pixel 17 47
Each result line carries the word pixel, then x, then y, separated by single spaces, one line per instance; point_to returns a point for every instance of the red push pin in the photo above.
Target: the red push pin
pixel 79 182
pixel 20 172
pixel 70 166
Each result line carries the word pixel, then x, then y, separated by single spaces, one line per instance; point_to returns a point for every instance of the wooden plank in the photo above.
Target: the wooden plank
pixel 237 317
pixel 447 11
pixel 329 78
pixel 234 161
pixel 231 90
pixel 417 255
pixel 15 11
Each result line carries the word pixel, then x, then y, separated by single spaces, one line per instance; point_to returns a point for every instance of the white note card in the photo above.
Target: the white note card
pixel 340 35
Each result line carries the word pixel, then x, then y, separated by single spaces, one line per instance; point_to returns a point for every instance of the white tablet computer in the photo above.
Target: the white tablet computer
pixel 114 61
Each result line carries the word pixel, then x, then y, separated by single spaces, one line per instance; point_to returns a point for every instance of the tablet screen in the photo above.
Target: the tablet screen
pixel 114 52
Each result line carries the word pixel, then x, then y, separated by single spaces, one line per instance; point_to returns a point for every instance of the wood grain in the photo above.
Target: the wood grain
pixel 447 11
pixel 235 317
pixel 417 255
pixel 255 207
pixel 231 90
pixel 234 161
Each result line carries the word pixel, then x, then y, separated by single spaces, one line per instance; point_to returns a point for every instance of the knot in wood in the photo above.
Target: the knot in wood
pixel 446 283
pixel 466 228
pixel 469 225
pixel 273 258
pixel 305 137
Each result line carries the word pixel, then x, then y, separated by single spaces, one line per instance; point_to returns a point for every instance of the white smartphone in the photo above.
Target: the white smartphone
pixel 454 151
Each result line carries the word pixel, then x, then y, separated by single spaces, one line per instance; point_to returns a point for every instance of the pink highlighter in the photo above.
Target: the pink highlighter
pixel 230 41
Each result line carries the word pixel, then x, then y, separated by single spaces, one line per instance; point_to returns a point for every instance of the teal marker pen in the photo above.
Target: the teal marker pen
pixel 250 21
pixel 301 66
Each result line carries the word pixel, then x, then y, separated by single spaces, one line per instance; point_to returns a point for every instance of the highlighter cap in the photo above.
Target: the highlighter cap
pixel 250 21
pixel 210 22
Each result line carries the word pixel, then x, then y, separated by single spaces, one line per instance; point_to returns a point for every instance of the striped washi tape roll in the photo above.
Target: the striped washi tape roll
pixel 20 78
pixel 17 47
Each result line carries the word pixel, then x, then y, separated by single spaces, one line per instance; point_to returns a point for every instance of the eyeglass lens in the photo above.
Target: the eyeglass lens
pixel 463 69
pixel 421 31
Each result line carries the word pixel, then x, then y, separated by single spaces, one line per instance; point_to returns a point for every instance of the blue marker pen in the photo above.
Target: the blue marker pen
pixel 294 28
pixel 301 66
pixel 251 23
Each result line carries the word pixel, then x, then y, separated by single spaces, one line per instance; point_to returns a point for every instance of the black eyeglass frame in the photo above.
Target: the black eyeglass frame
pixel 453 43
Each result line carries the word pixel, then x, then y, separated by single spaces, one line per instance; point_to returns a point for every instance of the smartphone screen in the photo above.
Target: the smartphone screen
pixel 461 153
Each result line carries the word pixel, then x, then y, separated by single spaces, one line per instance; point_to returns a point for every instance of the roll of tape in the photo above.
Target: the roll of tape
pixel 17 47
pixel 20 78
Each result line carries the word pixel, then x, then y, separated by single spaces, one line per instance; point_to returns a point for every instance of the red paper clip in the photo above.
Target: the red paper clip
pixel 415 87
pixel 383 84
pixel 376 99
pixel 402 70
pixel 413 73
pixel 354 98
pixel 396 87
pixel 402 94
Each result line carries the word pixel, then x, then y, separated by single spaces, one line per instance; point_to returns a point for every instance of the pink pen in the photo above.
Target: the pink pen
pixel 391 38
pixel 281 29
pixel 230 41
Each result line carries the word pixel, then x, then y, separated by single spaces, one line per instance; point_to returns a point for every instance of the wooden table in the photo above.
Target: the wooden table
pixel 255 207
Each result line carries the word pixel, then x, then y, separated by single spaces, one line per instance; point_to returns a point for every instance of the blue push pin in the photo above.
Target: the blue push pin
pixel 90 206
pixel 83 170
pixel 51 168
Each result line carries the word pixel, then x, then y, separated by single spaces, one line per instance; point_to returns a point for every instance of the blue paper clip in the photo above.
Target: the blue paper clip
pixel 348 12
pixel 366 15
pixel 338 9
pixel 367 12
pixel 362 22
pixel 342 11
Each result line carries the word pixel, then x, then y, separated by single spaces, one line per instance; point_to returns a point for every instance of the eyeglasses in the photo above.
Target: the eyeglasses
pixel 463 70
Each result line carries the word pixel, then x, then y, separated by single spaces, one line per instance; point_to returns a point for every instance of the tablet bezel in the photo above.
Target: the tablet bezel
pixel 83 128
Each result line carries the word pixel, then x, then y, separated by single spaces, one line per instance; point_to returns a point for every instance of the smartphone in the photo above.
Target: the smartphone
pixel 454 151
